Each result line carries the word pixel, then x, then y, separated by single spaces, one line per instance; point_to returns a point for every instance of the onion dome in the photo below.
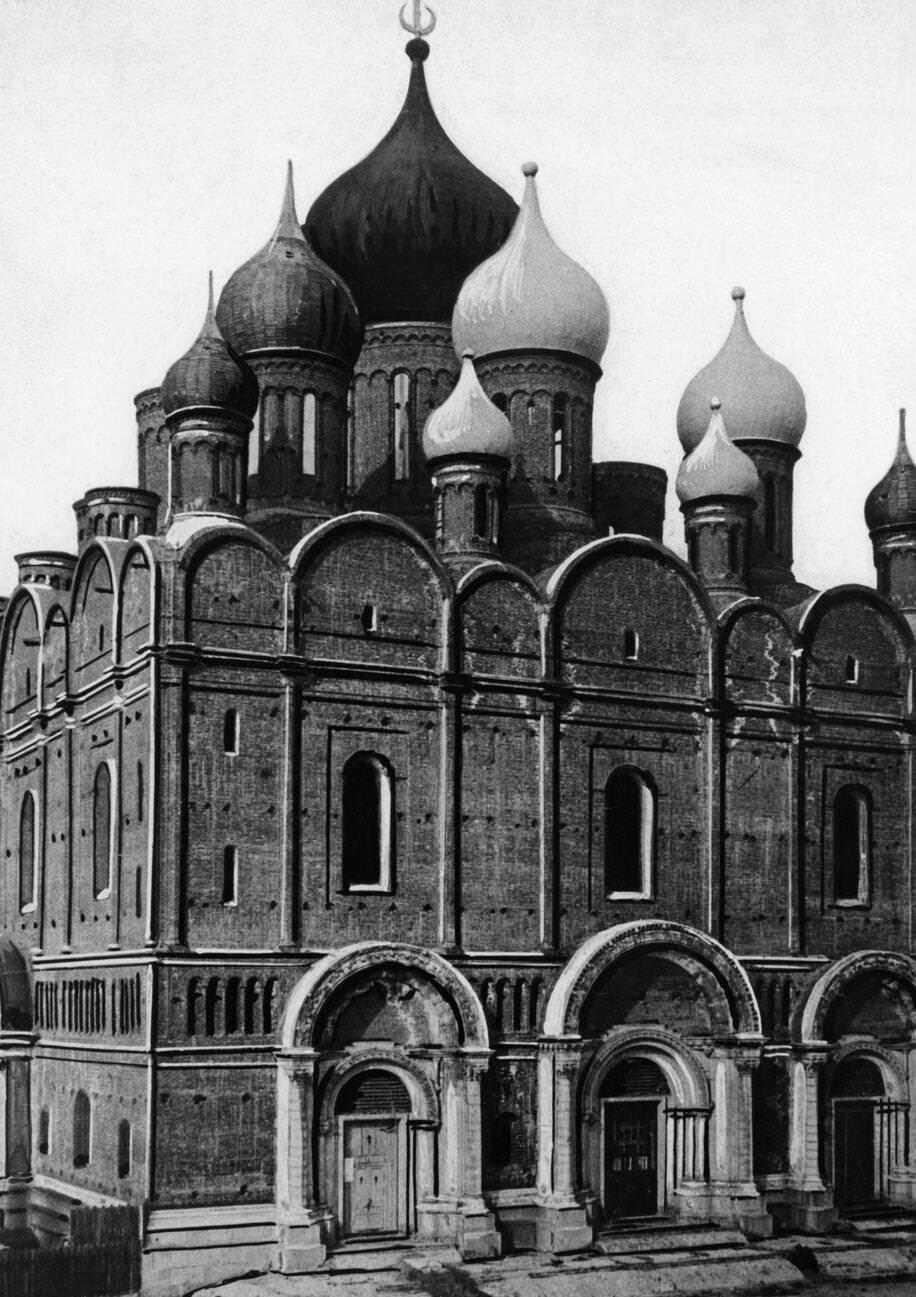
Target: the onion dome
pixel 406 225
pixel 285 296
pixel 764 400
pixel 530 295
pixel 467 423
pixel 716 467
pixel 209 377
pixel 892 503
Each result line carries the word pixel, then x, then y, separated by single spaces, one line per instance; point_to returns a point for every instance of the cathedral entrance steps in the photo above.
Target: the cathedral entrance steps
pixel 655 1238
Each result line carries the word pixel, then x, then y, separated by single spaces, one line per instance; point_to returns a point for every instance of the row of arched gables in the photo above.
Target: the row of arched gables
pixel 617 603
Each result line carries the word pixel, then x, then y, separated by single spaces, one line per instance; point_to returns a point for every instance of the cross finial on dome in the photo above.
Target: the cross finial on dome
pixel 416 27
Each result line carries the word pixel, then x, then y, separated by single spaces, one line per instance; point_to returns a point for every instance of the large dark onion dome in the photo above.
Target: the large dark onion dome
pixel 892 502
pixel 405 226
pixel 285 296
pixel 209 377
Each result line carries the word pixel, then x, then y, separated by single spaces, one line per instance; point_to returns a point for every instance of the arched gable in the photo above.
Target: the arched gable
pixel 136 602
pixel 21 643
pixel 499 615
pixel 305 1012
pixel 55 656
pixel 92 613
pixel 810 1017
pixel 370 590
pixel 234 593
pixel 856 652
pixel 627 614
pixel 563 1015
pixel 756 648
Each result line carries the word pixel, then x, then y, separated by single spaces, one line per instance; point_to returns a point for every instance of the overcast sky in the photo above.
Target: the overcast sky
pixel 684 147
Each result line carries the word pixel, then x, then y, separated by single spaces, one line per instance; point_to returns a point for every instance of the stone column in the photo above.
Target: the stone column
pixel 302 1225
pixel 810 1202
pixel 478 1237
pixel 563 1224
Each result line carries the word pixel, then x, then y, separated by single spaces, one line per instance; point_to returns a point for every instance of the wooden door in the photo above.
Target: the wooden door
pixel 631 1164
pixel 372 1175
pixel 854 1152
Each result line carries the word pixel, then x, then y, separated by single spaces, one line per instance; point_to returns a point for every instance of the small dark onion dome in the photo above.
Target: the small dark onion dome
pixel 407 224
pixel 892 503
pixel 285 296
pixel 209 376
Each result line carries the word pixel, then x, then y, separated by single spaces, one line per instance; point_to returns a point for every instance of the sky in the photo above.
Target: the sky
pixel 683 148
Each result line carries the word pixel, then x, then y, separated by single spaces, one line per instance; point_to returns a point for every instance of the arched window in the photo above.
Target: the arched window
pixel 124 1149
pixel 851 846
pixel 401 426
pixel 101 831
pixel 231 732
pixel 231 1005
pixel 309 434
pixel 481 511
pixel 141 793
pixel 230 875
pixel 82 1129
pixel 366 817
pixel 629 834
pixel 560 433
pixel 27 853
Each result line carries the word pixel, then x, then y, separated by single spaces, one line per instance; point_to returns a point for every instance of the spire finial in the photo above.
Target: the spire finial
pixel 416 27
pixel 903 427
pixel 288 226
pixel 210 328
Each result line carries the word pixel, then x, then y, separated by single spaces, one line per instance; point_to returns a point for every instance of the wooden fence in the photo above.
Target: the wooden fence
pixel 101 1259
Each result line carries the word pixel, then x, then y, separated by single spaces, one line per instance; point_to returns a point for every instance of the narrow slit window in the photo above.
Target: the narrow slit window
pixel 82 1129
pixel 367 814
pixel 629 834
pixel 481 512
pixel 369 618
pixel 769 512
pixel 230 875
pixel 124 1149
pixel 101 639
pixel 44 1131
pixel 559 423
pixel 231 732
pixel 141 793
pixel 851 846
pixel 101 831
pixel 401 427
pixel 309 434
pixel 852 671
pixel 27 869
pixel 350 437
pixel 630 644
pixel 254 442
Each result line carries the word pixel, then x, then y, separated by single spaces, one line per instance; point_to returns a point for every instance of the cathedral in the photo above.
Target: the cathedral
pixel 400 843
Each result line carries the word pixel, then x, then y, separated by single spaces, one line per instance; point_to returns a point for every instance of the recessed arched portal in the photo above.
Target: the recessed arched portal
pixel 379 1102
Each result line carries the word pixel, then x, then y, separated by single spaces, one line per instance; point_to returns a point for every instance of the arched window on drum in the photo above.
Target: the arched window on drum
pixel 629 834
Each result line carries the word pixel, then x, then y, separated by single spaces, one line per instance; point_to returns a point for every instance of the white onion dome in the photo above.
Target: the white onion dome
pixel 209 376
pixel 467 424
pixel 716 467
pixel 530 295
pixel 764 400
pixel 285 296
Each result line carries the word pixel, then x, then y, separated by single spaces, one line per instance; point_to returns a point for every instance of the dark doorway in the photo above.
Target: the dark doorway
pixel 633 1096
pixel 857 1089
